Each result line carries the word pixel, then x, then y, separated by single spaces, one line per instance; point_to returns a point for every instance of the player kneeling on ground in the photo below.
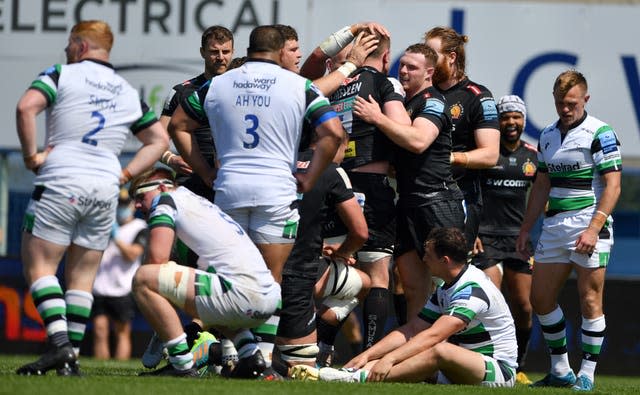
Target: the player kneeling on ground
pixel 463 335
pixel 231 290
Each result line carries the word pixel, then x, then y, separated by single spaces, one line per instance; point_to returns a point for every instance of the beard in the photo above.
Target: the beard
pixel 508 134
pixel 441 73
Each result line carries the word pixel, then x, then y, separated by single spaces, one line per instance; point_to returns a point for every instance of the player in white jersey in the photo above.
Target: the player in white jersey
pixel 90 112
pixel 463 335
pixel 579 175
pixel 231 289
pixel 256 114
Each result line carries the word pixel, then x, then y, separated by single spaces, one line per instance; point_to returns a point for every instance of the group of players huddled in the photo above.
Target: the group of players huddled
pixel 298 193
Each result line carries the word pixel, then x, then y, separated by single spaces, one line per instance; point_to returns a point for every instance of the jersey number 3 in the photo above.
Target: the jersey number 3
pixel 87 137
pixel 251 131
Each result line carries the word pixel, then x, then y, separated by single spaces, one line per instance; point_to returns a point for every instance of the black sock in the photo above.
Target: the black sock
pixel 522 338
pixel 192 329
pixel 374 314
pixel 326 332
pixel 400 305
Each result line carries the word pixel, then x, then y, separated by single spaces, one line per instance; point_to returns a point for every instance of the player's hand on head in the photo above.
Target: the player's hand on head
pixel 372 27
pixel 363 45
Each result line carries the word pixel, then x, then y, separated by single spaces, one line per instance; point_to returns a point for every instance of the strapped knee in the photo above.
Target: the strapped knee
pixel 343 281
pixel 298 352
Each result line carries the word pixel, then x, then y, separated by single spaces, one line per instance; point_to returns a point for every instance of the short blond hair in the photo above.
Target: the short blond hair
pixel 97 32
pixel 567 80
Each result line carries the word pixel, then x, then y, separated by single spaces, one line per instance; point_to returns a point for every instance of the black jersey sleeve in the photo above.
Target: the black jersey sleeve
pixel 484 113
pixel 340 190
pixel 193 104
pixel 434 110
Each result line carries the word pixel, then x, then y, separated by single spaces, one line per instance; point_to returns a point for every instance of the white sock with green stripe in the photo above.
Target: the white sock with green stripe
pixel 179 354
pixel 246 343
pixel 78 314
pixel 592 339
pixel 266 335
pixel 555 335
pixel 49 301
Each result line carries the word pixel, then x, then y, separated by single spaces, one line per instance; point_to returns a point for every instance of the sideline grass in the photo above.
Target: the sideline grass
pixel 120 378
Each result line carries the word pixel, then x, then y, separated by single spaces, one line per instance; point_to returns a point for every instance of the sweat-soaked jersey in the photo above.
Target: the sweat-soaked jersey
pixel 504 190
pixel 366 142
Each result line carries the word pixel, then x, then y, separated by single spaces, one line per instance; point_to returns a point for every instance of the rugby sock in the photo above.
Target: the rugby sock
pixel 192 329
pixel 246 343
pixel 266 335
pixel 229 352
pixel 400 306
pixel 327 333
pixel 522 338
pixel 592 338
pixel 555 335
pixel 49 300
pixel 78 314
pixel 374 313
pixel 179 355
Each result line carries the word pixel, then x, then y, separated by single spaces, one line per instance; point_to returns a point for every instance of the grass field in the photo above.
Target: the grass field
pixel 120 378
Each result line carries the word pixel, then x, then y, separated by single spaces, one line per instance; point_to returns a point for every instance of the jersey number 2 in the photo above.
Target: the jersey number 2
pixel 87 137
pixel 251 131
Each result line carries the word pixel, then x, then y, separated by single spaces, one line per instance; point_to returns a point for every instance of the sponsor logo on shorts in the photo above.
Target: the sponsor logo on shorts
pixel 258 315
pixel 87 201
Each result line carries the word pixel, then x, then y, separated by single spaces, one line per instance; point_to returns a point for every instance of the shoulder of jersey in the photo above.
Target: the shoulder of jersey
pixel 476 89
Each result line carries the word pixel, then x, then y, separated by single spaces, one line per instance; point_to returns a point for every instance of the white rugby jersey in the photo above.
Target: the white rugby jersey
pixel 256 114
pixel 89 114
pixel 576 161
pixel 222 246
pixel 474 299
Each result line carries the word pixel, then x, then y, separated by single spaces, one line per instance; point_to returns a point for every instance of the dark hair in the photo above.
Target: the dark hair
pixel 217 33
pixel 450 242
pixel 288 32
pixel 236 62
pixel 429 54
pixel 266 38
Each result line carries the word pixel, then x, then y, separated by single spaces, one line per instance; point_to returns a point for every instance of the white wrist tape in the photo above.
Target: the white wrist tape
pixel 336 41
pixel 347 68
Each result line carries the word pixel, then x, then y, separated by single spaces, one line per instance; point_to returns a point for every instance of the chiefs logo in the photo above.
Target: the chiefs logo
pixel 528 168
pixel 456 111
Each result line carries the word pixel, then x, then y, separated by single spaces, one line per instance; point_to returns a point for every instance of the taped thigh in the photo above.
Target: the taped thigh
pixel 172 283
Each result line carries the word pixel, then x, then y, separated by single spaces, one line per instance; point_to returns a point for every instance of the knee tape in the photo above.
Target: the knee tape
pixel 341 307
pixel 298 352
pixel 172 283
pixel 343 281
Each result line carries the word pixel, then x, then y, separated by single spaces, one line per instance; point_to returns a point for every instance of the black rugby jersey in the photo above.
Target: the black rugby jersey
pixel 203 132
pixel 430 170
pixel 331 189
pixel 366 143
pixel 504 190
pixel 471 106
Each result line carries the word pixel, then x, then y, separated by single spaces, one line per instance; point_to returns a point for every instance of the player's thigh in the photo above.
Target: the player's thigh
pixel 459 365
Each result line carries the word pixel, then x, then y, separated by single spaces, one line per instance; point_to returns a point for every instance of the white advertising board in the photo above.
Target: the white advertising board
pixel 514 47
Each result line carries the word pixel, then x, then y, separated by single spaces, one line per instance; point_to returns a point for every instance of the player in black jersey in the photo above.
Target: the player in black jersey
pixel 216 50
pixel 504 188
pixel 333 277
pixel 428 196
pixel 476 138
pixel 367 163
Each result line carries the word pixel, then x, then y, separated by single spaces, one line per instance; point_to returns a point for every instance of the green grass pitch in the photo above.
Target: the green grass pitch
pixel 120 378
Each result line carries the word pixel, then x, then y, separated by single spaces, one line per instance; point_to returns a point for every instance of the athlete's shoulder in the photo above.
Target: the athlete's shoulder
pixel 529 147
pixel 475 88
